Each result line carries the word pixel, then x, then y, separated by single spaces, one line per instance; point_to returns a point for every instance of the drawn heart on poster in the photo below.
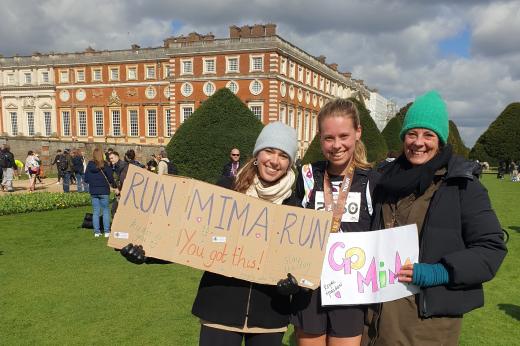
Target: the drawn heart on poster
pixel 338 294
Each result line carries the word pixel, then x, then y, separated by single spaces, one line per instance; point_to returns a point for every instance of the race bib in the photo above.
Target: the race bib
pixel 352 206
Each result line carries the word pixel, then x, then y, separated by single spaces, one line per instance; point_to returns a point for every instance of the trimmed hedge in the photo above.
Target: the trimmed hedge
pixel 16 203
pixel 456 141
pixel 391 134
pixel 200 147
pixel 313 152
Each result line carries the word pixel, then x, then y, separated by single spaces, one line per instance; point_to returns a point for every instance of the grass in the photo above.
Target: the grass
pixel 60 285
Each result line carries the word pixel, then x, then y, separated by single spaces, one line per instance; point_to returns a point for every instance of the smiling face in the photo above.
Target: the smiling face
pixel 272 165
pixel 234 155
pixel 338 138
pixel 420 146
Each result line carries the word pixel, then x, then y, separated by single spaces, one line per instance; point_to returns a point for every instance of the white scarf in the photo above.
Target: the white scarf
pixel 276 193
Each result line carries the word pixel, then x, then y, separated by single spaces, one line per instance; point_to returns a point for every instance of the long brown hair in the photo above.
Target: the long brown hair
pixel 246 176
pixel 345 108
pixel 99 158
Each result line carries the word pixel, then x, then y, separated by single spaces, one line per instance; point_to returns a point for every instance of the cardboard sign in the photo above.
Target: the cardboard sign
pixel 219 230
pixel 362 267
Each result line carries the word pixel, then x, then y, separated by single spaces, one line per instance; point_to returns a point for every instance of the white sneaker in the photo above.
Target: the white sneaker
pixel 107 235
pixel 97 235
pixel 57 183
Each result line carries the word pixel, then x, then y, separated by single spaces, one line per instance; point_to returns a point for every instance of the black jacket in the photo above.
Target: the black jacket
pixel 226 170
pixel 462 232
pixel 224 300
pixel 77 164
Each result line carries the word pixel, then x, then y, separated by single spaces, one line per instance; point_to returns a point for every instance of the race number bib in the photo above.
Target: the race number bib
pixel 352 206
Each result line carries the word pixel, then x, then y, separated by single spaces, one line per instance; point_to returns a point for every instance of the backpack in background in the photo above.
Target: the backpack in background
pixel 171 167
pixel 63 163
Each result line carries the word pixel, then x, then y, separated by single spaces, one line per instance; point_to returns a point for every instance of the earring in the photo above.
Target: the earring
pixel 255 162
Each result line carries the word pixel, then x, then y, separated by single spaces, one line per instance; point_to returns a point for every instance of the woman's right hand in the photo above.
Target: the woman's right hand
pixel 134 253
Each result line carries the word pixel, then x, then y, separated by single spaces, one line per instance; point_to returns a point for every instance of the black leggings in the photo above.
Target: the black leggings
pixel 218 337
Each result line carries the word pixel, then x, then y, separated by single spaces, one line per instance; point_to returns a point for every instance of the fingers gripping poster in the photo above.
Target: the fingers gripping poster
pixel 362 267
pixel 215 229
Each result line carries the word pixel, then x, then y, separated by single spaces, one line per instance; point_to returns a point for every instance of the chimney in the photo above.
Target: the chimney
pixel 321 59
pixel 347 74
pixel 245 31
pixel 234 31
pixel 258 30
pixel 270 29
pixel 194 37
pixel 334 66
pixel 209 37
pixel 136 46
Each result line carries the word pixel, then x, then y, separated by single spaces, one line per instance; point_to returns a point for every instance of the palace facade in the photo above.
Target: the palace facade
pixel 143 95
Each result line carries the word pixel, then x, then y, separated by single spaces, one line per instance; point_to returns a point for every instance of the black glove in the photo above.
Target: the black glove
pixel 287 286
pixel 134 253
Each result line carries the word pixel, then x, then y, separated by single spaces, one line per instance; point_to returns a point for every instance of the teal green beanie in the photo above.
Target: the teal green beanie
pixel 428 112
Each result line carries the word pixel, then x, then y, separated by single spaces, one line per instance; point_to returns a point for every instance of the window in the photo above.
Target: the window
pixel 300 95
pixel 186 89
pixel 327 86
pixel 14 123
pixel 307 97
pixel 187 66
pixel 291 92
pixel 256 63
pixel 186 112
pixel 151 115
pixel 45 77
pixel 27 78
pixel 134 122
pixel 168 126
pixel 114 73
pixel 233 86
pixel 82 123
pixel 306 127
pixel 283 66
pixel 64 76
pixel 80 75
pixel 10 78
pixel 255 87
pixel 30 123
pixel 283 115
pixel 168 72
pixel 313 124
pixel 308 77
pixel 65 119
pixel 209 65
pixel 131 73
pixel 96 74
pixel 232 65
pixel 299 124
pixel 48 123
pixel 256 108
pixel 292 69
pixel 98 118
pixel 116 122
pixel 315 80
pixel 300 74
pixel 150 72
pixel 283 89
pixel 322 83
pixel 209 88
pixel 290 116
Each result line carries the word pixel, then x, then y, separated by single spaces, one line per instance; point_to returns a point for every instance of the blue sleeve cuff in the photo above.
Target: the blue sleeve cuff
pixel 429 275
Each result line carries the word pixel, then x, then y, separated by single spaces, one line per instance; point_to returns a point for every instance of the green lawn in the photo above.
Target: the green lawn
pixel 60 285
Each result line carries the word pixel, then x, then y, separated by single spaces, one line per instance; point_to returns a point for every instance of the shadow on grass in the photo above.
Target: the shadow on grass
pixel 515 228
pixel 511 309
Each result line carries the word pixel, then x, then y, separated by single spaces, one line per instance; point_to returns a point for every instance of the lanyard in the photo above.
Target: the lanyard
pixel 338 207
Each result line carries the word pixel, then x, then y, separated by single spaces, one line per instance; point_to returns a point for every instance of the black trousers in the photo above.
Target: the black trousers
pixel 218 337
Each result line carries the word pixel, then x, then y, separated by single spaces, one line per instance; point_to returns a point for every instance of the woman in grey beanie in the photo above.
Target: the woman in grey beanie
pixel 233 310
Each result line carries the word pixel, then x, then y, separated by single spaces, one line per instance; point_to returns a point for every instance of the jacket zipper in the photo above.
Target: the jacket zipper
pixel 248 302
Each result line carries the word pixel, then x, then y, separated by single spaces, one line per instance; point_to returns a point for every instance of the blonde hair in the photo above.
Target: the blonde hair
pixel 99 158
pixel 346 108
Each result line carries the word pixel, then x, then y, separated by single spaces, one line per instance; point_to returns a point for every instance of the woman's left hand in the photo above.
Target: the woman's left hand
pixel 406 273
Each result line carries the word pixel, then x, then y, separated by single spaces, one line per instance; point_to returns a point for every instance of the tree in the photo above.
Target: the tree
pixel 371 137
pixel 201 146
pixel 456 141
pixel 391 134
pixel 501 141
pixel 402 112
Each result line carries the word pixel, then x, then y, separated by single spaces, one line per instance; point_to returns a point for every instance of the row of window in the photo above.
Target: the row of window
pixel 303 121
pixel 114 73
pixel 209 88
pixel 300 95
pixel 29 116
pixel 28 77
pixel 309 77
pixel 209 65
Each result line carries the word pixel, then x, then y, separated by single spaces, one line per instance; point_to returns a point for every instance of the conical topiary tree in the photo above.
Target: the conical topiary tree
pixel 391 135
pixel 371 137
pixel 201 146
pixel 402 112
pixel 313 152
pixel 456 141
pixel 501 141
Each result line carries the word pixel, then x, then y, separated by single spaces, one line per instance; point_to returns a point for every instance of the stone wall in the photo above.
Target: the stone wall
pixel 46 148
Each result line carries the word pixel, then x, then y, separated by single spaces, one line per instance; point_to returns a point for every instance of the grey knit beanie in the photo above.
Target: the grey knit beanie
pixel 279 136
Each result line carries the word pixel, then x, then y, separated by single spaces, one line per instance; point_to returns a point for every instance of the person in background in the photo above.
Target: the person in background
pixel 107 154
pixel 40 169
pixel 8 166
pixel 152 164
pixel 119 168
pixel 19 169
pixel 164 165
pixel 98 176
pixel 130 158
pixel 56 162
pixel 66 168
pixel 233 311
pixel 460 238
pixel 231 168
pixel 344 184
pixel 78 161
pixel 31 168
